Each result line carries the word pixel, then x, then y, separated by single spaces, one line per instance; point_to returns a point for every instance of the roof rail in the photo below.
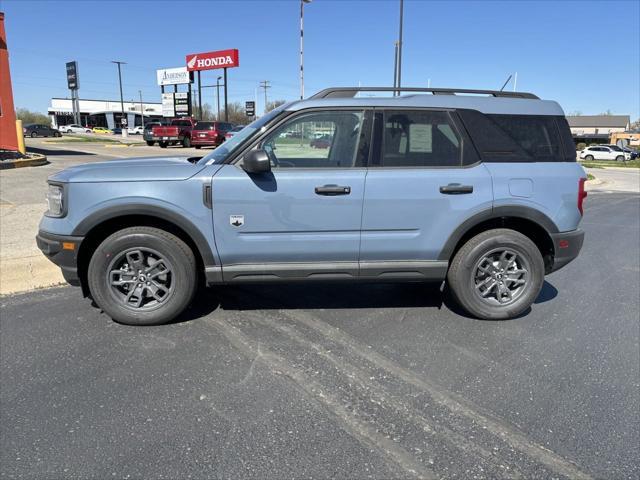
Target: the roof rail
pixel 349 92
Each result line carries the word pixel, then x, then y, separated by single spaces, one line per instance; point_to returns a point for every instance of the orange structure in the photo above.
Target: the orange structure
pixel 8 135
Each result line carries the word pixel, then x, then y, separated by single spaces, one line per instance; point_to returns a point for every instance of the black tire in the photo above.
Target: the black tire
pixel 163 144
pixel 467 266
pixel 186 142
pixel 198 147
pixel 620 158
pixel 589 158
pixel 150 143
pixel 57 134
pixel 179 284
pixel 34 134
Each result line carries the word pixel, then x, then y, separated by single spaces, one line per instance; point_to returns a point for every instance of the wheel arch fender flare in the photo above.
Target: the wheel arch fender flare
pixel 496 213
pixel 165 214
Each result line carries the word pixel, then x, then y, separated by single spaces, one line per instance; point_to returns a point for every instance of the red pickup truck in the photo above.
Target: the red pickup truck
pixel 178 131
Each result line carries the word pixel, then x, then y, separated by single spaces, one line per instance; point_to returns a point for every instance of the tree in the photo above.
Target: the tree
pixel 575 113
pixel 607 113
pixel 274 104
pixel 27 116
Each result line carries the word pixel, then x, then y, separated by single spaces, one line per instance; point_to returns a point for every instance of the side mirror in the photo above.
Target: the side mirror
pixel 256 161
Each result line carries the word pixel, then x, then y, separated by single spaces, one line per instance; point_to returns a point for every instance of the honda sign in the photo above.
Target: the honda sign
pixel 212 60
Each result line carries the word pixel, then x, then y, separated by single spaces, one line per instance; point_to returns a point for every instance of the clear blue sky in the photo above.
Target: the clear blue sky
pixel 584 54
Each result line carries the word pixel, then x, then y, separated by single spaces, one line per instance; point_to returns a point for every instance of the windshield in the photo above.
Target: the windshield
pixel 222 152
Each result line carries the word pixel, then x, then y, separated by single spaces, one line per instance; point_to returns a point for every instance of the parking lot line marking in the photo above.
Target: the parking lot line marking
pixel 404 409
pixel 358 429
pixel 496 426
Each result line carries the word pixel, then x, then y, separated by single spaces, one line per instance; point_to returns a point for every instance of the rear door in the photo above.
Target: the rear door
pixel 424 181
pixel 302 219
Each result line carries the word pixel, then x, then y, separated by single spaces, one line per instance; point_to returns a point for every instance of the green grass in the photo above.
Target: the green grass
pixel 590 177
pixel 83 139
pixel 602 164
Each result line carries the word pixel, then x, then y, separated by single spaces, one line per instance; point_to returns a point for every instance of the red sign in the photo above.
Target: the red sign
pixel 211 60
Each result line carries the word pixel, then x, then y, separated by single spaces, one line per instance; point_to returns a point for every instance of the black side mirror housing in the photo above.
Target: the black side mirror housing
pixel 256 161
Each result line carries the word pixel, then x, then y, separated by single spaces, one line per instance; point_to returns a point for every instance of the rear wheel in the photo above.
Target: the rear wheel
pixel 34 134
pixel 198 147
pixel 589 158
pixel 163 144
pixel 142 276
pixel 186 142
pixel 150 143
pixel 620 158
pixel 497 274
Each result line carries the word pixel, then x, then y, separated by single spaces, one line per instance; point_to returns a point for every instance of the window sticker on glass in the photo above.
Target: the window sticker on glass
pixel 420 138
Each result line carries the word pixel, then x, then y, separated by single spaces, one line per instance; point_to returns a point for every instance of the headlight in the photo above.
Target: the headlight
pixel 55 201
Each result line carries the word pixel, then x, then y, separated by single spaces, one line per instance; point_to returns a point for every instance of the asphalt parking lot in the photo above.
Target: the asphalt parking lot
pixel 342 380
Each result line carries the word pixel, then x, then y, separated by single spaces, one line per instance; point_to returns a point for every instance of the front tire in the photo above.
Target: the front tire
pixel 589 158
pixel 150 143
pixel 497 274
pixel 142 276
pixel 163 144
pixel 620 158
pixel 34 134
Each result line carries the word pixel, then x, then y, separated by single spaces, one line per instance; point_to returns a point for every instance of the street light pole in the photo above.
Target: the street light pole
pixel 141 110
pixel 124 129
pixel 400 47
pixel 302 2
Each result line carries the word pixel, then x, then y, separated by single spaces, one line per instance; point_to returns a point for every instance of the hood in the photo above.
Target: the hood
pixel 130 170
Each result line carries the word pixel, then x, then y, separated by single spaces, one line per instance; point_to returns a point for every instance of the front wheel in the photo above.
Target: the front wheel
pixel 34 134
pixel 57 134
pixel 142 276
pixel 497 274
pixel 163 144
pixel 620 158
pixel 150 143
pixel 589 158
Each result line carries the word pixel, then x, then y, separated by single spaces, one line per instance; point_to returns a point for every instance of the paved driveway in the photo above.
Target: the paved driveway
pixel 341 381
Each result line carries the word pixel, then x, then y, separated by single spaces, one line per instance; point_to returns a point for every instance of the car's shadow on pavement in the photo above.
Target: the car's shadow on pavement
pixel 331 296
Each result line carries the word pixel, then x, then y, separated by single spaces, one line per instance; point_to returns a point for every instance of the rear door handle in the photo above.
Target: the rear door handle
pixel 456 189
pixel 332 190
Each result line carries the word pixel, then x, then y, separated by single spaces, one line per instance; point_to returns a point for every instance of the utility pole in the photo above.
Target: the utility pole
pixel 218 94
pixel 265 84
pixel 302 2
pixel 123 125
pixel 400 47
pixel 141 109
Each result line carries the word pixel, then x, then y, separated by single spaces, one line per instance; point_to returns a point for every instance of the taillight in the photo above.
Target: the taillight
pixel 581 194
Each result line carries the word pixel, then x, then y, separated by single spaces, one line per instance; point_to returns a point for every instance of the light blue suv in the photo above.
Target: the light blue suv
pixel 480 189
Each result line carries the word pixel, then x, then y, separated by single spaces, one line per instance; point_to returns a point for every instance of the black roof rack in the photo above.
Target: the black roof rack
pixel 349 92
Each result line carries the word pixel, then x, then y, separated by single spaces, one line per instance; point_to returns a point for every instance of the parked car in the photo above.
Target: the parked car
pixel 101 130
pixel 604 152
pixel 137 130
pixel 74 128
pixel 233 131
pixel 633 154
pixel 321 142
pixel 480 191
pixel 177 132
pixel 37 130
pixel 209 133
pixel 116 131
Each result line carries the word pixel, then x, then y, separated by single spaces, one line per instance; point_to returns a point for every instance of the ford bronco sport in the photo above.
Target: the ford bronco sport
pixel 480 189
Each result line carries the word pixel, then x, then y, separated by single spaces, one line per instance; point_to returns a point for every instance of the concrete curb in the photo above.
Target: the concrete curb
pixel 34 160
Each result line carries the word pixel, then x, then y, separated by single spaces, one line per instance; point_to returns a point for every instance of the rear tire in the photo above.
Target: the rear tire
pixel 150 143
pixel 620 158
pixel 34 134
pixel 589 158
pixel 494 286
pixel 163 144
pixel 142 276
pixel 198 147
pixel 186 142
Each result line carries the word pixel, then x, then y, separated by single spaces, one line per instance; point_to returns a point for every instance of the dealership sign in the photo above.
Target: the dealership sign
pixel 173 76
pixel 213 60
pixel 72 76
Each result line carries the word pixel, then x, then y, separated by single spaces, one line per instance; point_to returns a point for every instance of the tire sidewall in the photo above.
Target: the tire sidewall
pixel 463 282
pixel 183 273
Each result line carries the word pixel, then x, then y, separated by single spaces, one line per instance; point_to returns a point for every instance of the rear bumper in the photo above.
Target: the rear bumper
pixel 205 142
pixel 567 246
pixel 57 248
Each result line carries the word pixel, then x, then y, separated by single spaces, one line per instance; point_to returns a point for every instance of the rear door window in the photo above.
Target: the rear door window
pixel 537 135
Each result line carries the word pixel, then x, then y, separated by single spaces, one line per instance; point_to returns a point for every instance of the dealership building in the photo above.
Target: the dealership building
pixel 103 113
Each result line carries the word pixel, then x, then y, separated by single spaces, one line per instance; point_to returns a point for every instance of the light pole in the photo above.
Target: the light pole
pixel 124 127
pixel 400 47
pixel 218 95
pixel 141 110
pixel 302 2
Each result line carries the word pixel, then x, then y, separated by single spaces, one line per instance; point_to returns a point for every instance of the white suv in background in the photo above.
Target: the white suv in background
pixel 604 152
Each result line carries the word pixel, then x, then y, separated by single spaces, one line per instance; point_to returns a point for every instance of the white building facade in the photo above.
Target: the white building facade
pixel 103 113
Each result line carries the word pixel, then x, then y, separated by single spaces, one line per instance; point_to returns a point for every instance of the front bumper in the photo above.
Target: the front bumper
pixel 567 246
pixel 63 251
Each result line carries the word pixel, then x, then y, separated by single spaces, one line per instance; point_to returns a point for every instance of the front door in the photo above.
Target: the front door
pixel 302 219
pixel 419 189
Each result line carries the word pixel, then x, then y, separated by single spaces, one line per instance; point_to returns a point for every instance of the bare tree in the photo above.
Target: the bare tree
pixel 274 104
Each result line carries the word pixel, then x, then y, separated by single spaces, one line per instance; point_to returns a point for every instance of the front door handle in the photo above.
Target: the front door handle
pixel 332 190
pixel 456 189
